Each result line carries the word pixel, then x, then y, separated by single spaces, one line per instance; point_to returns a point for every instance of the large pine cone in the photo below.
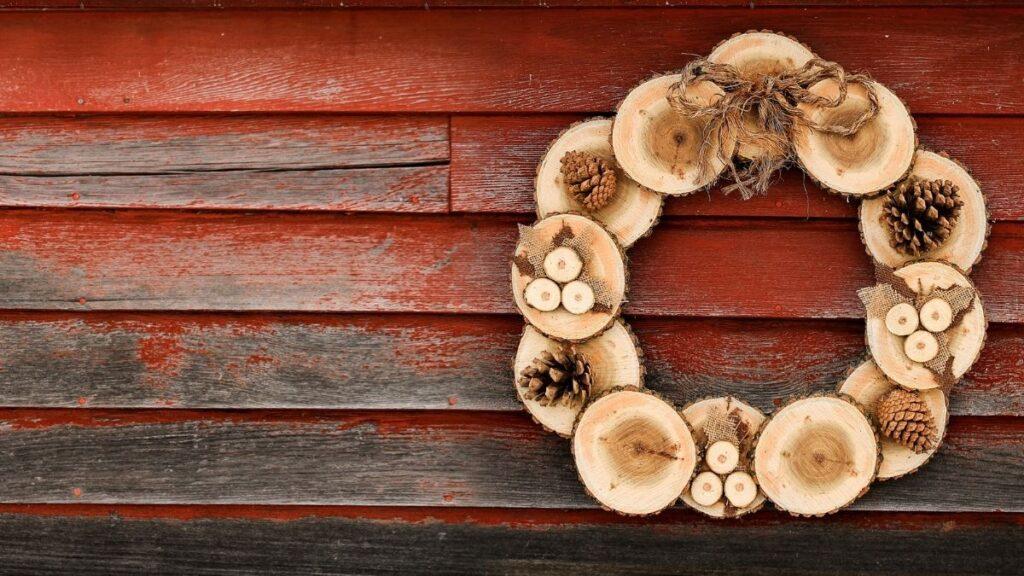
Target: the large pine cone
pixel 562 376
pixel 906 420
pixel 591 179
pixel 921 214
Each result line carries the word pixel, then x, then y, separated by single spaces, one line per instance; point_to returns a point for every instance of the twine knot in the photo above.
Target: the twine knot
pixel 760 112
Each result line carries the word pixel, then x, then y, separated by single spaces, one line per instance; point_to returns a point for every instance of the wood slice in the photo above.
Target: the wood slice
pixel 965 340
pixel 634 452
pixel 867 385
pixel 633 211
pixel 755 54
pixel 696 415
pixel 607 264
pixel 614 361
pixel 879 154
pixel 963 247
pixel 816 455
pixel 660 148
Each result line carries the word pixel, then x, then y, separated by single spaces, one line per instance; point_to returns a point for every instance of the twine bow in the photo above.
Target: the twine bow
pixel 774 100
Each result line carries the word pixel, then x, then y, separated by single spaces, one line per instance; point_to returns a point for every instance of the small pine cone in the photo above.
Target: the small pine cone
pixel 591 179
pixel 921 214
pixel 906 420
pixel 561 377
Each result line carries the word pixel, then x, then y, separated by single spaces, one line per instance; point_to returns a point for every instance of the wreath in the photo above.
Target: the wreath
pixel 758 102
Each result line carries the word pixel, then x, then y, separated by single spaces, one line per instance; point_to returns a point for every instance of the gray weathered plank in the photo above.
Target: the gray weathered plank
pixel 527 543
pixel 423 362
pixel 393 189
pixel 357 163
pixel 90 145
pixel 395 459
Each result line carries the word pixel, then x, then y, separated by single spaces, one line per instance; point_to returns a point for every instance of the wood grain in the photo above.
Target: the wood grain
pixel 435 4
pixel 226 162
pixel 98 145
pixel 232 361
pixel 131 360
pixel 495 158
pixel 398 189
pixel 151 260
pixel 394 459
pixel 388 61
pixel 527 542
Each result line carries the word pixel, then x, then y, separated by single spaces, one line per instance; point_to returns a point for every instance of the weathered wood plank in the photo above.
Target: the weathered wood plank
pixel 376 61
pixel 96 145
pixel 494 163
pixel 478 542
pixel 358 163
pixel 397 189
pixel 395 459
pixel 423 362
pixel 395 362
pixel 153 260
pixel 435 4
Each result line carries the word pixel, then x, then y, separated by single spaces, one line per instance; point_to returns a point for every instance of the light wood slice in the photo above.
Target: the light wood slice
pixel 634 452
pixel 965 340
pixel 614 361
pixel 697 414
pixel 755 54
pixel 660 148
pixel 632 212
pixel 867 385
pixel 606 264
pixel 963 247
pixel 879 154
pixel 816 455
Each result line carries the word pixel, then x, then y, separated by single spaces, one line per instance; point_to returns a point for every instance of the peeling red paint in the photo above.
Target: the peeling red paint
pixel 427 425
pixel 256 359
pixel 525 517
pixel 162 353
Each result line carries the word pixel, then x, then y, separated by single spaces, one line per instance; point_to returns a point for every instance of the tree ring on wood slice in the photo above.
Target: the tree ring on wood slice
pixel 755 54
pixel 696 415
pixel 634 452
pixel 969 235
pixel 660 148
pixel 614 361
pixel 628 216
pixel 606 265
pixel 816 455
pixel 869 161
pixel 965 340
pixel 867 385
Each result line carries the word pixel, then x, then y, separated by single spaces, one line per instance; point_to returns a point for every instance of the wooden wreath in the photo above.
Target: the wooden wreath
pixel 760 101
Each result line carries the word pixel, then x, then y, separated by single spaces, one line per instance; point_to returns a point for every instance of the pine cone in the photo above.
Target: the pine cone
pixel 591 180
pixel 562 376
pixel 921 214
pixel 906 420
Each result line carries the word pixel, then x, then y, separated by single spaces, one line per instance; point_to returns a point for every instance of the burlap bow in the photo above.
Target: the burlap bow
pixel 774 100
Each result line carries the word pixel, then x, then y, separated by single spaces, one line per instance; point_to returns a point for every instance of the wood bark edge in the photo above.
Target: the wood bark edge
pixel 697 452
pixel 525 404
pixel 878 449
pixel 544 157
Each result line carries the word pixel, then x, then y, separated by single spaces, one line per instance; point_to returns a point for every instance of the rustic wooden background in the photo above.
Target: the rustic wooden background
pixel 254 301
